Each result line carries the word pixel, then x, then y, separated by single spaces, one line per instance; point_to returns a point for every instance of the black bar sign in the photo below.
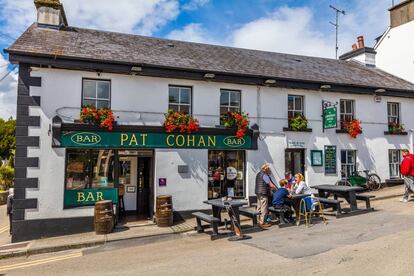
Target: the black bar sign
pixel 330 159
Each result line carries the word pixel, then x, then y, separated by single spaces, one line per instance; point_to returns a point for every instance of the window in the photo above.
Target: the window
pixel 348 163
pixel 179 99
pixel 229 101
pixel 89 169
pixel 393 110
pixel 226 170
pixel 295 106
pixel 346 112
pixel 96 93
pixel 394 158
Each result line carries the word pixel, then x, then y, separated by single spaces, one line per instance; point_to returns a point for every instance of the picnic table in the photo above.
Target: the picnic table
pixel 346 192
pixel 220 204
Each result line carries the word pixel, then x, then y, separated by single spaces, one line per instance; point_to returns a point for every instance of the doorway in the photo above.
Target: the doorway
pixel 135 180
pixel 295 161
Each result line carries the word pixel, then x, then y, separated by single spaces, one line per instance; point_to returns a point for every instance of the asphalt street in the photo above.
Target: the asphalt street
pixel 378 243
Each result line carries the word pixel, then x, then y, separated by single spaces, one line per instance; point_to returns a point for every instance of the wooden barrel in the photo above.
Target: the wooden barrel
pixel 104 217
pixel 164 211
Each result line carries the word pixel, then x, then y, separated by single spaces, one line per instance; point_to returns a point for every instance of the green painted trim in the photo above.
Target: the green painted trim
pixel 313 154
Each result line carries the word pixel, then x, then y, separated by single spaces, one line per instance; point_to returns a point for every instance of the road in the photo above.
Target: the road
pixel 378 243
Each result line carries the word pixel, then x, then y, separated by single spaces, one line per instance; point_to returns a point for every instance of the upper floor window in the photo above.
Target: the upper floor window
pixel 295 106
pixel 347 111
pixel 96 93
pixel 393 110
pixel 230 101
pixel 179 99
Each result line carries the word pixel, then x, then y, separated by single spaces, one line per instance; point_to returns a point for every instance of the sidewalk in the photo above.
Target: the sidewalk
pixel 129 231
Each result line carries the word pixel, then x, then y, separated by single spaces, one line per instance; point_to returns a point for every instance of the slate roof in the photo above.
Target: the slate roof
pixel 86 44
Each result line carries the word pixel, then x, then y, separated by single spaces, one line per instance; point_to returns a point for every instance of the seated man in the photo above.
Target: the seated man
pixel 279 200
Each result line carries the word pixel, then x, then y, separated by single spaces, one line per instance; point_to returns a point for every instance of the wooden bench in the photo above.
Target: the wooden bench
pixel 281 213
pixel 250 214
pixel 214 222
pixel 336 204
pixel 366 198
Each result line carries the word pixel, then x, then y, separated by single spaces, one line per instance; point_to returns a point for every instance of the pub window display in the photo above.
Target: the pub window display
pixel 89 169
pixel 226 174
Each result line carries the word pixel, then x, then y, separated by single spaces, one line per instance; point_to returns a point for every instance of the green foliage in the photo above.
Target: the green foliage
pixel 6 177
pixel 298 123
pixel 7 138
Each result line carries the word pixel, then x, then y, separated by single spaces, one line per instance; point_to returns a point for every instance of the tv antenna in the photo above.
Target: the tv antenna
pixel 336 25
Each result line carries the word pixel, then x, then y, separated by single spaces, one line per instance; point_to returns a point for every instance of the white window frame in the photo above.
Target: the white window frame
pixel 393 118
pixel 347 169
pixel 343 113
pixel 179 104
pixel 96 99
pixel 394 161
pixel 229 106
pixel 294 110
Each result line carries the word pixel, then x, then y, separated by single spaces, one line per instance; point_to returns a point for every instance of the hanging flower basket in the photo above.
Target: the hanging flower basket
pixel 353 127
pixel 396 128
pixel 180 122
pixel 238 120
pixel 102 117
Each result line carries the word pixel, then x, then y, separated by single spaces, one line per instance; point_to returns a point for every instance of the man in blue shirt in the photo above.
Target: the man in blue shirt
pixel 279 199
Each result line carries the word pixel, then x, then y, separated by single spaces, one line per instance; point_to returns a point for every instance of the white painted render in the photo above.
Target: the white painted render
pixel 395 51
pixel 143 100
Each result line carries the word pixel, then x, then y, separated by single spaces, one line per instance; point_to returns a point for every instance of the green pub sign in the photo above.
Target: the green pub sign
pixel 329 117
pixel 152 140
pixel 88 197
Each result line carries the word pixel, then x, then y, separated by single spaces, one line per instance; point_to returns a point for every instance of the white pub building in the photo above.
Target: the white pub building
pixel 63 166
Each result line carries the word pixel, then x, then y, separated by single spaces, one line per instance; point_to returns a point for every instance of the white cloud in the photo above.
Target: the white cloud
pixel 286 30
pixel 195 4
pixel 193 32
pixel 8 91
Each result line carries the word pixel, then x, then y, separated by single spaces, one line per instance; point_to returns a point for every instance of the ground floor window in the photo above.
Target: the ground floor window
pixel 348 163
pixel 226 171
pixel 394 158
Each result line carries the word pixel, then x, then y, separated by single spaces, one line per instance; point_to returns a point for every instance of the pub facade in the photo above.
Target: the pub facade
pixel 63 165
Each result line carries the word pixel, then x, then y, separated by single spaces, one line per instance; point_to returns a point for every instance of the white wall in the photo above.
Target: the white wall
pixel 395 51
pixel 62 88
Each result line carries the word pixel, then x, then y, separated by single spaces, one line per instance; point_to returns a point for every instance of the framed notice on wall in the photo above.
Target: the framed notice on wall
pixel 330 159
pixel 316 158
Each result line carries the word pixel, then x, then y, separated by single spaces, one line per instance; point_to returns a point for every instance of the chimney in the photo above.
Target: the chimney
pixel 402 13
pixel 50 13
pixel 361 54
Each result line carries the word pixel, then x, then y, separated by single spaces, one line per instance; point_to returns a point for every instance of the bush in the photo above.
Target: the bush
pixel 298 123
pixel 6 178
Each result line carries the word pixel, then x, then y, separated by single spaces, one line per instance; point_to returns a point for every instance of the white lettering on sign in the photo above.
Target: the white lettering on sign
pixel 295 144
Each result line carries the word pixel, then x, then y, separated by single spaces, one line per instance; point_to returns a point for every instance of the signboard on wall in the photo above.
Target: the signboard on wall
pixel 88 197
pixel 295 144
pixel 329 117
pixel 330 159
pixel 78 139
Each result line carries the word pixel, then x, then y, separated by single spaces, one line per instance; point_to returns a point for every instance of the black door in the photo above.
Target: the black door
pixel 295 161
pixel 144 186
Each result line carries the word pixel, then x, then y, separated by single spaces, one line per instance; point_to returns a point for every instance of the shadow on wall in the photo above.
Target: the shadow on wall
pixel 196 170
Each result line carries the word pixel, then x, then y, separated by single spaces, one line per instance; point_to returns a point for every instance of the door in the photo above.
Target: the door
pixel 143 186
pixel 295 161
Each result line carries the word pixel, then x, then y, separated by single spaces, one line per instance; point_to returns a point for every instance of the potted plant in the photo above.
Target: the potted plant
pixel 298 123
pixel 238 120
pixel 102 117
pixel 396 128
pixel 180 122
pixel 352 127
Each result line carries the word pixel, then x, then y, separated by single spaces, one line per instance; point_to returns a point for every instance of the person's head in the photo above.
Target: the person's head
pixel 283 182
pixel 288 175
pixel 405 152
pixel 266 168
pixel 299 177
pixel 11 191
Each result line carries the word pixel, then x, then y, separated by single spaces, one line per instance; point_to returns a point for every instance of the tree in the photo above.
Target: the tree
pixel 7 138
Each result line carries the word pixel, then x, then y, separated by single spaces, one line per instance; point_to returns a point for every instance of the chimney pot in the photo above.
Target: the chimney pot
pixel 50 13
pixel 361 43
pixel 354 46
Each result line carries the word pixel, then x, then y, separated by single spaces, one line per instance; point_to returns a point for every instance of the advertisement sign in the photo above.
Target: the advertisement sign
pixel 329 117
pixel 88 197
pixel 231 173
pixel 330 159
pixel 78 139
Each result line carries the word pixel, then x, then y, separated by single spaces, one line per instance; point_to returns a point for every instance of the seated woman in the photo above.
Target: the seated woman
pixel 280 200
pixel 301 187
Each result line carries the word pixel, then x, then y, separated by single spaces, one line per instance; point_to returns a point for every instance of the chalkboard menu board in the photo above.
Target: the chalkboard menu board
pixel 330 159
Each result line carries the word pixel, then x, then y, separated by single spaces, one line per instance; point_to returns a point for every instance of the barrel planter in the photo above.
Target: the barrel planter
pixel 164 211
pixel 3 197
pixel 104 217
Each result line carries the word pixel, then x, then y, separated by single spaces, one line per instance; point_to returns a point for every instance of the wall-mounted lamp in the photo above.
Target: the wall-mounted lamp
pixel 209 76
pixel 380 90
pixel 270 81
pixel 326 86
pixel 136 69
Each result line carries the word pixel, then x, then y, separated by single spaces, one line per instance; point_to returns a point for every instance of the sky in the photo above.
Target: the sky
pixel 288 26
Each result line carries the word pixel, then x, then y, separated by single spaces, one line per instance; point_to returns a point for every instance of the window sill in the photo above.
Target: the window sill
pixel 395 133
pixel 303 130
